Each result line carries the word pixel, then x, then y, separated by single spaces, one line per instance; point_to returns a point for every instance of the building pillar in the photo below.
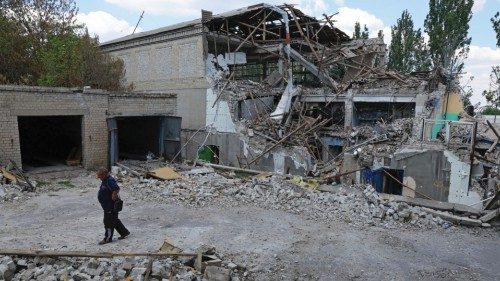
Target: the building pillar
pixel 349 109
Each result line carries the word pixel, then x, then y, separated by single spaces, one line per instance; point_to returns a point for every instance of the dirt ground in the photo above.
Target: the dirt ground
pixel 272 245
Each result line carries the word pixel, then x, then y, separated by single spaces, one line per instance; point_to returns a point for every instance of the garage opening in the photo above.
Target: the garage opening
pixel 50 140
pixel 139 137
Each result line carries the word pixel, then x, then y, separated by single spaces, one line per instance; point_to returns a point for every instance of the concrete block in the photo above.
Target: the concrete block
pixel 5 273
pixel 138 271
pixel 79 276
pixel 214 273
pixel 232 265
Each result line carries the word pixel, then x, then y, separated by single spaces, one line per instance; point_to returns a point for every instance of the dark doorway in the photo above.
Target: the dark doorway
pixel 139 137
pixel 385 180
pixel 50 140
pixel 392 181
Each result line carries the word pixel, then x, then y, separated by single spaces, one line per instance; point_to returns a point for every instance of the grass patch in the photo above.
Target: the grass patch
pixel 40 183
pixel 66 183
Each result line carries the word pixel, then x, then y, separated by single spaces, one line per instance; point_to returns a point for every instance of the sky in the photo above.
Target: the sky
pixel 111 19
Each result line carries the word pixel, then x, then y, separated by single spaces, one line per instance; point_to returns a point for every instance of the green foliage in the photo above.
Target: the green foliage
pixel 365 34
pixel 71 60
pixel 66 183
pixel 358 34
pixel 490 110
pixel 61 61
pixel 492 95
pixel 408 51
pixel 15 57
pixel 495 21
pixel 40 44
pixel 447 25
pixel 357 31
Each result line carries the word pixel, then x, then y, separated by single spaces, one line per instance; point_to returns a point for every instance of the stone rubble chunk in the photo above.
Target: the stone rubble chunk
pixel 214 273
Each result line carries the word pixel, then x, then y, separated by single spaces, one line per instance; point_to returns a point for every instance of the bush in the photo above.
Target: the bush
pixel 490 110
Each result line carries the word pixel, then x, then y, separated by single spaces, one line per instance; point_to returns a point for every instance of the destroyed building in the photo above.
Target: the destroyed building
pixel 289 129
pixel 270 88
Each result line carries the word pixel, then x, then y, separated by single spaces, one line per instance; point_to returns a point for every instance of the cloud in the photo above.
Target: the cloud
pixel 339 3
pixel 479 64
pixel 478 5
pixel 312 7
pixel 191 8
pixel 105 25
pixel 347 17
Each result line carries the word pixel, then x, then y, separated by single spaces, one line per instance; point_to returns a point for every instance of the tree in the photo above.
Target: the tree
pixel 42 18
pixel 357 31
pixel 407 52
pixel 72 60
pixel 60 61
pixel 492 95
pixel 365 34
pixel 40 44
pixel 447 25
pixel 358 34
pixel 38 20
pixel 495 21
pixel 15 57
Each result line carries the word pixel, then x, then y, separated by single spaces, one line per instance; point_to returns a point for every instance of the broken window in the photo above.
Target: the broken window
pixel 367 113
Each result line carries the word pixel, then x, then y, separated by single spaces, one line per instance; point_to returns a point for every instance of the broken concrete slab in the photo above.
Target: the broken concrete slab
pixel 453 218
pixel 490 215
pixel 214 273
pixel 437 205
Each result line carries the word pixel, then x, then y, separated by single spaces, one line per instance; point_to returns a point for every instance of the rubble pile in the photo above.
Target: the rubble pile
pixel 358 205
pixel 11 192
pixel 79 269
pixel 248 89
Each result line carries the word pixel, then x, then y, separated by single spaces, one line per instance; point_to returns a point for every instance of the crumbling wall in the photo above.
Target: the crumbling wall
pixel 428 169
pixel 235 151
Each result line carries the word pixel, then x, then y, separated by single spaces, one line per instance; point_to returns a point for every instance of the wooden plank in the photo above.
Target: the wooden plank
pixel 165 173
pixel 299 28
pixel 251 33
pixel 130 170
pixel 280 141
pixel 8 175
pixel 22 176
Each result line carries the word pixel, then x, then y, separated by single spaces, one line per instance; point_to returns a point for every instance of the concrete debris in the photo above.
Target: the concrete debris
pixel 133 268
pixel 359 205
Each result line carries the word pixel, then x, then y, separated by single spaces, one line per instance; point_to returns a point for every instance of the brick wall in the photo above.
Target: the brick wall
pixel 173 62
pixel 94 105
pixel 139 104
